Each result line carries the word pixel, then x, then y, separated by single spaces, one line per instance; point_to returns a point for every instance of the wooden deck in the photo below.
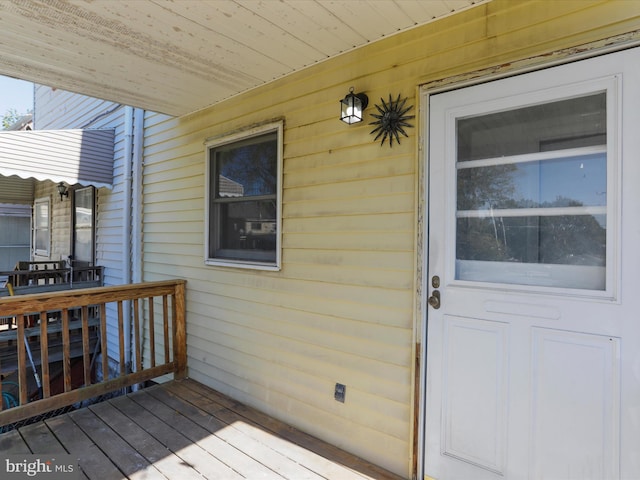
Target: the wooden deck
pixel 183 430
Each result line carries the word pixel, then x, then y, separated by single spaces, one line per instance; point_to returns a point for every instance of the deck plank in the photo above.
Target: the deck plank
pixel 242 464
pixel 320 465
pixel 12 443
pixel 40 439
pixel 92 461
pixel 183 430
pixel 259 451
pixel 126 458
pixel 342 464
pixel 190 452
pixel 143 442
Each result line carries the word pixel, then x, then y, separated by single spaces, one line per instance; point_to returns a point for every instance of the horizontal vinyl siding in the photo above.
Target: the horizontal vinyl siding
pixel 15 190
pixel 342 307
pixel 58 109
pixel 339 311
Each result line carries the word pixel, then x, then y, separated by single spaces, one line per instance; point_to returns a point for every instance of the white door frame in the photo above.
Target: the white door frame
pixel 489 74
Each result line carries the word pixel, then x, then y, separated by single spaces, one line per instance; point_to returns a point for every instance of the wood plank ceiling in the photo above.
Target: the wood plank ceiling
pixel 180 56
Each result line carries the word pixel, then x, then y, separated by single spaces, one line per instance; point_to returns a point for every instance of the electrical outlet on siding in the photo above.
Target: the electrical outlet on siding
pixel 340 392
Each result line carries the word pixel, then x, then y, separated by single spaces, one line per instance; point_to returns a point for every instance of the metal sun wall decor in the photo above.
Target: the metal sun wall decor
pixel 391 120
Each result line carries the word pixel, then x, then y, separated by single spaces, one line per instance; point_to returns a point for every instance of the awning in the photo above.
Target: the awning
pixel 72 156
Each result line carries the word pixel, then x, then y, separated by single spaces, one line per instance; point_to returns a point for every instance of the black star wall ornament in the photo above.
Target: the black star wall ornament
pixel 391 120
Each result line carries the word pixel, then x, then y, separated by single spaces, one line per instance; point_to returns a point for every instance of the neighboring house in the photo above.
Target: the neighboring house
pixel 78 143
pixel 24 123
pixel 15 214
pixel 458 302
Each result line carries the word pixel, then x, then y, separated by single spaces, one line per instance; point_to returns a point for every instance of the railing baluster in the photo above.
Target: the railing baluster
pixel 165 324
pixel 86 348
pixel 22 360
pixel 136 333
pixel 123 369
pixel 104 341
pixel 66 350
pixel 21 308
pixel 44 355
pixel 152 333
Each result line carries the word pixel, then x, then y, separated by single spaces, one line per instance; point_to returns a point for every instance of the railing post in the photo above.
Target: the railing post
pixel 180 339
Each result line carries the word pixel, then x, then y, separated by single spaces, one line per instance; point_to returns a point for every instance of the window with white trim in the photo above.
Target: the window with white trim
pixel 41 227
pixel 244 173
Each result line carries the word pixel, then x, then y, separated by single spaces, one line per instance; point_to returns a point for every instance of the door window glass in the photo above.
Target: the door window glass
pixel 532 195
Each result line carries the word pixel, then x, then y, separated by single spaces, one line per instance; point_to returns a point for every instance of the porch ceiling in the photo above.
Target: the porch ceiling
pixel 177 57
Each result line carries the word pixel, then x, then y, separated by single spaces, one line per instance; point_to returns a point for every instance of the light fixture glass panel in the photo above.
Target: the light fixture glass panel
pixel 351 109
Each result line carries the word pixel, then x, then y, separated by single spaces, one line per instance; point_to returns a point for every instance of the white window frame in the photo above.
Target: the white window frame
pixel 277 127
pixel 40 252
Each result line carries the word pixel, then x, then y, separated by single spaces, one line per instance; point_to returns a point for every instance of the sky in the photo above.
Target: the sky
pixel 16 94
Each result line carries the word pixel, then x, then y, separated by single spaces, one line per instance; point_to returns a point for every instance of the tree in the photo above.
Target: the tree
pixel 10 117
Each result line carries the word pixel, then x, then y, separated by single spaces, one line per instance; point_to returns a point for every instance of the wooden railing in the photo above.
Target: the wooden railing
pixel 40 280
pixel 158 319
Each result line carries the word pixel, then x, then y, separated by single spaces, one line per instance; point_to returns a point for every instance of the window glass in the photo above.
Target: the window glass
pixel 573 181
pixel 243 200
pixel 570 123
pixel 41 237
pixel 83 226
pixel 532 190
pixel 247 169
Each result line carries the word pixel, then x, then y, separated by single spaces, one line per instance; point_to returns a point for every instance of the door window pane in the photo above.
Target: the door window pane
pixel 574 181
pixel 532 191
pixel 571 123
pixel 562 239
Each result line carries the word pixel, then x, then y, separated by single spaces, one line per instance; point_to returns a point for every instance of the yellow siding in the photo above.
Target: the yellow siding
pixel 342 307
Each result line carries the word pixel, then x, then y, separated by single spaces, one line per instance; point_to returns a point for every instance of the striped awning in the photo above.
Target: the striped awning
pixel 82 157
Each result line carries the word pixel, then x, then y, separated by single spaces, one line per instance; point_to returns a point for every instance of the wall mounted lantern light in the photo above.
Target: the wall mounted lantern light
pixel 352 106
pixel 62 190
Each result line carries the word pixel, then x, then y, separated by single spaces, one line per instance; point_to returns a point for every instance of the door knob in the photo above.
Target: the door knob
pixel 434 299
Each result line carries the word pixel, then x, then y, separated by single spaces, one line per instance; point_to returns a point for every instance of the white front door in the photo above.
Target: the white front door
pixel 533 356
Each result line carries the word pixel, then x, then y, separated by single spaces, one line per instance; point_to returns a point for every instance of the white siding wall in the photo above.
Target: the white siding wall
pixel 58 109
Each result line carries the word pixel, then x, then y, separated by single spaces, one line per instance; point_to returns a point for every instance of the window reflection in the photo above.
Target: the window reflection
pixel 243 224
pixel 532 190
pixel 562 239
pixel 246 170
pixel 570 123
pixel 580 180
pixel 248 226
